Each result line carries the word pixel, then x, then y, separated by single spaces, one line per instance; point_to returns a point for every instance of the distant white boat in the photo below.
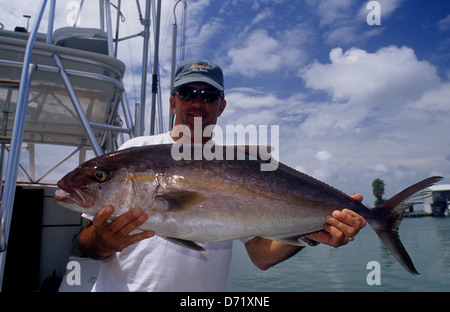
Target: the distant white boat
pixel 438 204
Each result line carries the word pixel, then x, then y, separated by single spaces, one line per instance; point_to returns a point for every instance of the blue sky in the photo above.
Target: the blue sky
pixel 353 102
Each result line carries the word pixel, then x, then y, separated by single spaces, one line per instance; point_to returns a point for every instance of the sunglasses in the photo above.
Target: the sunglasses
pixel 207 95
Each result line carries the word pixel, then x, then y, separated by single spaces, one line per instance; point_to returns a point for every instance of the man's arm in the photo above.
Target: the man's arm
pixel 265 253
pixel 340 228
pixel 100 238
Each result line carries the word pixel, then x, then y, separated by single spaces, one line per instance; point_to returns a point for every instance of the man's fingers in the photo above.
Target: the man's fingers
pixel 322 237
pixel 113 236
pixel 343 226
pixel 336 237
pixel 132 225
pixel 121 226
pixel 102 216
pixel 354 219
pixel 139 236
pixel 347 228
pixel 124 223
pixel 357 197
pixel 135 218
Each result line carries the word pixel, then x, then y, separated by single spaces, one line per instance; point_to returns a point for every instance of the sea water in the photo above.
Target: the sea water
pixel 324 268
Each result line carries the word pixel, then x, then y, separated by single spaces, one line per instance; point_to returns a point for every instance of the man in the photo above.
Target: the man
pixel 140 261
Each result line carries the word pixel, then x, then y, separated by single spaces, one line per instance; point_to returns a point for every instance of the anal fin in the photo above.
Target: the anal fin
pixel 296 239
pixel 185 243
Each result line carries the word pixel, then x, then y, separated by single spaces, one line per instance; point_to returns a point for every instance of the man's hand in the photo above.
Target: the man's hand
pixel 101 238
pixel 341 227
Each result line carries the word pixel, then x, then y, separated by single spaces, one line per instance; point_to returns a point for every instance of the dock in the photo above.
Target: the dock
pixel 417 214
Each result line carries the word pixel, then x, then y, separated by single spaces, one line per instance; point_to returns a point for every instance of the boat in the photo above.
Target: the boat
pixel 63 90
pixel 438 203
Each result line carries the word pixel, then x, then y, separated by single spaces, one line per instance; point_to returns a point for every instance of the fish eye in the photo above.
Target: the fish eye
pixel 100 175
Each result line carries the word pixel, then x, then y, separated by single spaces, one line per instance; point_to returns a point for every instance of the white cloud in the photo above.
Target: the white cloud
pixel 248 106
pixel 444 24
pixel 249 98
pixel 266 13
pixel 344 21
pixel 261 53
pixel 387 8
pixel 380 168
pixel 436 100
pixel 360 84
pixel 202 33
pixel 334 12
pixel 323 166
pixel 328 168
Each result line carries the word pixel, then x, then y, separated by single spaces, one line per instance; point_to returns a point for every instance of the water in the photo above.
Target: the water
pixel 323 268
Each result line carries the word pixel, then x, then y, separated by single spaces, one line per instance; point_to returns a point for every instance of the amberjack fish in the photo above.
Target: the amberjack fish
pixel 191 201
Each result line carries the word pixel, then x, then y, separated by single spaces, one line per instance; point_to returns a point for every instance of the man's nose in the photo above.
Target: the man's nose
pixel 198 101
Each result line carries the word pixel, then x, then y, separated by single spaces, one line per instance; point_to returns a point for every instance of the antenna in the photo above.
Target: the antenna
pixel 28 20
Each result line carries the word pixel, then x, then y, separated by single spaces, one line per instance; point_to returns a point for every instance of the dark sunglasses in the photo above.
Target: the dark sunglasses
pixel 207 95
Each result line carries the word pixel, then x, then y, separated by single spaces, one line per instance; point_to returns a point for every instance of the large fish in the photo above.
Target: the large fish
pixel 194 201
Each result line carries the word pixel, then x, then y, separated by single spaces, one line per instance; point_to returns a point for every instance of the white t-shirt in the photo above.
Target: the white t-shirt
pixel 155 264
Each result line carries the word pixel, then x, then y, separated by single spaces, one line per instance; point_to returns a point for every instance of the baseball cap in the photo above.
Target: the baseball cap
pixel 191 71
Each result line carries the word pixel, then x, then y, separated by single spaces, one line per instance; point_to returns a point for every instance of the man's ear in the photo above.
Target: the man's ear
pixel 223 104
pixel 172 102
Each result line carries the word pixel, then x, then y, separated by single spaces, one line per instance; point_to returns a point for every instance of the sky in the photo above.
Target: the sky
pixel 358 92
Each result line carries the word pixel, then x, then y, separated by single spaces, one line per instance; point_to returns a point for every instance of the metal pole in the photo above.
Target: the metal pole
pixel 101 4
pixel 155 69
pixel 16 142
pixel 109 30
pixel 172 73
pixel 183 28
pixel 127 112
pixel 79 110
pixel 78 14
pixel 174 53
pixel 116 45
pixel 51 18
pixel 146 23
pixel 14 155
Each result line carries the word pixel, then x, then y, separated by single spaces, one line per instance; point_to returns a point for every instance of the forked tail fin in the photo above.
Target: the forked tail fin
pixel 388 215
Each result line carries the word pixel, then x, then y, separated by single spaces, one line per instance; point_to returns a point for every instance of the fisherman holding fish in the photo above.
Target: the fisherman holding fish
pixel 136 260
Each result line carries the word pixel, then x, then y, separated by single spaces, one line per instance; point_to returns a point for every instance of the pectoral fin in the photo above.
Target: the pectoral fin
pixel 179 201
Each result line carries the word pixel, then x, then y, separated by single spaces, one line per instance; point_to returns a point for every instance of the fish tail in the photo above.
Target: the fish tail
pixel 386 219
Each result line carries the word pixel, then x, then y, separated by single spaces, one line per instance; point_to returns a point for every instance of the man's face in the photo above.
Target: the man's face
pixel 186 110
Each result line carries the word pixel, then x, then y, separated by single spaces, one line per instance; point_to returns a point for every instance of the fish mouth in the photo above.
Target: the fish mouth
pixel 81 197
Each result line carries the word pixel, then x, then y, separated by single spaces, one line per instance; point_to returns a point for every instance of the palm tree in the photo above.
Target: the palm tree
pixel 378 191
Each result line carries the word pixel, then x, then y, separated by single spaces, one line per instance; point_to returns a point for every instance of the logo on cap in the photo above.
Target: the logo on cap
pixel 200 67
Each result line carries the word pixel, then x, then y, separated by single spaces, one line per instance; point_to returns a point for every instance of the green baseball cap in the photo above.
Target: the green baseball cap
pixel 191 71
